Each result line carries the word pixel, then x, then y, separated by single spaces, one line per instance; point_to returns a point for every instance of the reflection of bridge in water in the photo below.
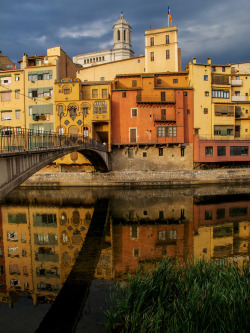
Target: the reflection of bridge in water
pixel 23 152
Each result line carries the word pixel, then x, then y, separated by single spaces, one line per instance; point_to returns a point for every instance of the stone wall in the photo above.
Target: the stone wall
pixel 148 159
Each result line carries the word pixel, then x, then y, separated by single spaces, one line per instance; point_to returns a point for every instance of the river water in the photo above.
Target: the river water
pixel 62 250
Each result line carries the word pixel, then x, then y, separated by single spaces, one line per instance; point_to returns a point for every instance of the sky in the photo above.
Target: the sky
pixel 216 29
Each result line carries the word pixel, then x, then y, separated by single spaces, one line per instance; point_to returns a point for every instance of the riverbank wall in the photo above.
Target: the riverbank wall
pixel 138 178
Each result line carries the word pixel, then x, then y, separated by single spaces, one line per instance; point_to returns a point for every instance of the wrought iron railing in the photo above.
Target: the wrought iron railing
pixel 14 139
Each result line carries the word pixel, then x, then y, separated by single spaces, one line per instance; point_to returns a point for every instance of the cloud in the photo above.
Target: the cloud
pixel 95 29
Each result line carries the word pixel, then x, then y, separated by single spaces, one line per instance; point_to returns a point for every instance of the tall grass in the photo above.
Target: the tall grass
pixel 193 297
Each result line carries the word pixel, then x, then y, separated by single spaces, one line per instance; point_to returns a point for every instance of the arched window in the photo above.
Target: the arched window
pixel 76 217
pixel 118 35
pixel 85 131
pixel 124 35
pixel 66 90
pixel 76 239
pixel 65 238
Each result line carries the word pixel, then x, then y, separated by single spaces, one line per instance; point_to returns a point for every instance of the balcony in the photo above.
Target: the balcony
pixel 165 118
pixel 240 98
pixel 156 99
pixel 236 83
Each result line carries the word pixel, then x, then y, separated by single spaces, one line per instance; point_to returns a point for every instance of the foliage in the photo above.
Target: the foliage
pixel 193 297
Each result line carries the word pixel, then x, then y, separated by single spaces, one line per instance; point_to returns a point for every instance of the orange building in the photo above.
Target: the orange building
pixel 152 122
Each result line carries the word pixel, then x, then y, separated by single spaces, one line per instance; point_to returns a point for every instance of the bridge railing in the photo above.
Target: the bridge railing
pixel 20 139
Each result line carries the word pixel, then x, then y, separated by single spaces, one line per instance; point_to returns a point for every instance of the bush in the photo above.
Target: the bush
pixel 193 297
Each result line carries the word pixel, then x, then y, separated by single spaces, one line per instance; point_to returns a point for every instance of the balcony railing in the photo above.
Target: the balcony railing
pixel 145 140
pixel 156 99
pixel 240 99
pixel 167 117
pixel 224 137
pixel 236 83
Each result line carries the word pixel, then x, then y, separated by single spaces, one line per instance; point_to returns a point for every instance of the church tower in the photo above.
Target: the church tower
pixel 122 39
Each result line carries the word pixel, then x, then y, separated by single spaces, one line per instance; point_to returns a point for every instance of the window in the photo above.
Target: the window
pixel 5 96
pixel 226 110
pixel 167 54
pixel 134 232
pixel 166 131
pixel 163 114
pixel 160 151
pixel 188 111
pixel 18 114
pixel 220 93
pixel 99 107
pixel 136 253
pixel 167 39
pixel 134 113
pixel 66 90
pixel 152 41
pixel 94 93
pixel 102 78
pixel 205 110
pixel 175 80
pixel 5 80
pixel 205 77
pixel 238 150
pixel 223 130
pixel 209 151
pixel 161 214
pixel 104 93
pixel 196 131
pixel 159 81
pixel 208 215
pixel 152 56
pixel 206 93
pixel 118 35
pixel 144 154
pixel 124 94
pixel 223 69
pixel 221 150
pixel 124 35
pixel 17 78
pixel 6 115
pixel 182 152
pixel 163 96
pixel 213 69
pixel 12 236
pixel 221 213
pixel 134 83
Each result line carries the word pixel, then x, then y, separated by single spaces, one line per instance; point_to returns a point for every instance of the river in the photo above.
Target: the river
pixel 62 250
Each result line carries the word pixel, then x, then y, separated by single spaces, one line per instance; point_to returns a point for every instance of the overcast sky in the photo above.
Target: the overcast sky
pixel 216 29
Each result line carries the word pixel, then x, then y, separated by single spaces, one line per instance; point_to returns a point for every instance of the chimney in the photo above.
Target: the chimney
pixel 194 60
pixel 209 61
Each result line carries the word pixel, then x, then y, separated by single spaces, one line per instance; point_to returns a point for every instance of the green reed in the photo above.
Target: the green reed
pixel 193 297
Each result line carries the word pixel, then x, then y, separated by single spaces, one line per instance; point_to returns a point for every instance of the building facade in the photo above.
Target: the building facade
pixel 152 122
pixel 221 121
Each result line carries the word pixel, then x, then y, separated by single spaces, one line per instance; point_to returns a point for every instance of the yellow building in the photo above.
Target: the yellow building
pixel 12 99
pixel 240 82
pixel 40 73
pixel 213 110
pixel 16 239
pixel 83 108
pixel 161 50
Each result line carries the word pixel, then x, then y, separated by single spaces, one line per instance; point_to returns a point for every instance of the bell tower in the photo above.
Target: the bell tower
pixel 122 39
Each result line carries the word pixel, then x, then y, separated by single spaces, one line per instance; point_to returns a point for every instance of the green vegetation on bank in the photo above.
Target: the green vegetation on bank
pixel 193 297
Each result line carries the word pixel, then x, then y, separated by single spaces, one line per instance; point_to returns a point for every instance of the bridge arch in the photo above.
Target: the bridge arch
pixel 17 167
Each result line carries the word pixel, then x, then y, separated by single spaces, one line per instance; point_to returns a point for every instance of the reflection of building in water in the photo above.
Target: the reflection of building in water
pixel 151 230
pixel 105 268
pixel 222 230
pixel 16 241
pixel 41 244
pixel 73 227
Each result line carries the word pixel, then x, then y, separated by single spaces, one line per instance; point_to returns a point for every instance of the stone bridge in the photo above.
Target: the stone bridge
pixel 23 154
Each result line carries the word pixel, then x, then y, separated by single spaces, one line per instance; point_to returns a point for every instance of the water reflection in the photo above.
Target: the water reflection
pixel 43 232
